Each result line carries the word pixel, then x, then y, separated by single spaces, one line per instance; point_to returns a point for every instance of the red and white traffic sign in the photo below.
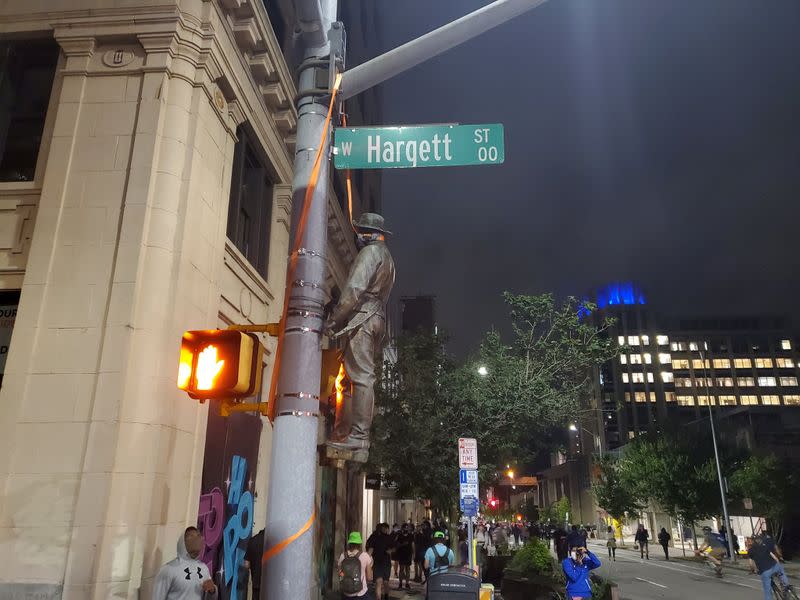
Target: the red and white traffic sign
pixel 467 453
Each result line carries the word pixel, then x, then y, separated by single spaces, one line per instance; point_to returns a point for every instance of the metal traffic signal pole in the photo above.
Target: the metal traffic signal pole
pixel 289 531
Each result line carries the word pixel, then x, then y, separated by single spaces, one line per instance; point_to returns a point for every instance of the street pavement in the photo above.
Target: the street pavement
pixel 676 579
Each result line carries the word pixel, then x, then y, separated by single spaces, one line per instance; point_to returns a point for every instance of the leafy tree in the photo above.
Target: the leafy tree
pixel 615 493
pixel 674 473
pixel 530 509
pixel 557 512
pixel 769 485
pixel 536 381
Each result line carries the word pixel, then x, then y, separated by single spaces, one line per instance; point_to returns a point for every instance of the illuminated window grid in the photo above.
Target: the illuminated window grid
pixel 770 400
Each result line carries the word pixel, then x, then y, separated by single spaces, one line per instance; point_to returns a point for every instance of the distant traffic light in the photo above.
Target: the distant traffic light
pixel 219 363
pixel 493 502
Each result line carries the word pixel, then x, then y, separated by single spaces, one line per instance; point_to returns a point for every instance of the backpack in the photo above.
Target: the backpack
pixel 350 575
pixel 442 561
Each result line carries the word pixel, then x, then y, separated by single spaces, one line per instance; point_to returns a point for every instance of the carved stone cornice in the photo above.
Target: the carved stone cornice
pixel 261 53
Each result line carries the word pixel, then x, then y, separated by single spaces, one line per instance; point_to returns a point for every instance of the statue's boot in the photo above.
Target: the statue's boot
pixel 361 405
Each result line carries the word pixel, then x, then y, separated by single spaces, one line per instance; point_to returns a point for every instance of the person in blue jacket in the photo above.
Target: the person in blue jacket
pixel 576 569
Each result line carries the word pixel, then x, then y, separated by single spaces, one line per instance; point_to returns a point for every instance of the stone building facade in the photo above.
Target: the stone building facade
pixel 156 199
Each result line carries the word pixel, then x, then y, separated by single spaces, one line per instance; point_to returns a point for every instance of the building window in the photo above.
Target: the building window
pixel 662 340
pixel 669 396
pixel 250 208
pixel 623 359
pixel 27 69
pixel 621 340
pixel 698 364
pixel 683 382
pixel 636 359
pixel 705 400
pixel 789 381
pixel 786 344
pixel 637 377
pixel 763 363
pixel 640 397
pixel 686 400
pixel 633 340
pixel 625 378
pixel 724 381
pixel 727 400
pixel 650 378
pixel 784 363
pixel 664 358
pixel 627 396
pixel 704 381
pixel 645 340
pixel 770 400
pixel 742 363
pixel 648 358
pixel 792 399
pixel 745 381
pixel 666 377
pixel 748 400
pixel 767 382
pixel 680 363
pixel 693 346
pixel 722 363
pixel 631 435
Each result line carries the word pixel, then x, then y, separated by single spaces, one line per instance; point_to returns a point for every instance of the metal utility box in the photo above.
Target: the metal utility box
pixel 454 585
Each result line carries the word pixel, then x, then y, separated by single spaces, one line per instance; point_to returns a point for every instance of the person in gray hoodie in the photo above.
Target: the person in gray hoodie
pixel 185 577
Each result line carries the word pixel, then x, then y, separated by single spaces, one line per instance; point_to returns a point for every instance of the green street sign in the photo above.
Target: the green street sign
pixel 418 146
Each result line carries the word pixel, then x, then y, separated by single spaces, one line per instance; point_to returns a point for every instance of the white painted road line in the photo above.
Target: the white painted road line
pixel 701 572
pixel 651 582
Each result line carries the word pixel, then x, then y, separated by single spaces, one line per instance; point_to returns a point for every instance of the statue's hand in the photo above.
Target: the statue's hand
pixel 330 327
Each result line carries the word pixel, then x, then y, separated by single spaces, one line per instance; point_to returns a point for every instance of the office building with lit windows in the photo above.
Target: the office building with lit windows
pixel 672 369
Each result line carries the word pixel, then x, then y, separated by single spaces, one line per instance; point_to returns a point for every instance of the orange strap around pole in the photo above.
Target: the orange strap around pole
pixel 349 181
pixel 281 546
pixel 301 225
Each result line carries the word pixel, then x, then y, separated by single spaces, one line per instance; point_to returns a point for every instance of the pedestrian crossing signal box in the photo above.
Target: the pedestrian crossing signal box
pixel 220 364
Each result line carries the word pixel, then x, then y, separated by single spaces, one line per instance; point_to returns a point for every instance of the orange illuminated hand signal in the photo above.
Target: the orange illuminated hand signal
pixel 208 367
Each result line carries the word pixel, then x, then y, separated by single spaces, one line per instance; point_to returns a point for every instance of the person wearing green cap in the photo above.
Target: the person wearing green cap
pixel 355 568
pixel 438 557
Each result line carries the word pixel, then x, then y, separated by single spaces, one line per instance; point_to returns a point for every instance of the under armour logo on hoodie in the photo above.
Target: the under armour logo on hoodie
pixel 189 573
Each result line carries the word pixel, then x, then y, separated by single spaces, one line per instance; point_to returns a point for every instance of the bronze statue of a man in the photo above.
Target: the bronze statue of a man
pixel 360 318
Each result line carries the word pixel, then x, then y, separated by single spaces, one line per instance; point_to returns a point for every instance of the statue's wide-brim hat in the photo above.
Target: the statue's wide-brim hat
pixel 371 222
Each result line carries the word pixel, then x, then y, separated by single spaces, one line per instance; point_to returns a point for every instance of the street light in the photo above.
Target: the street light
pixel 483 371
pixel 716 456
pixel 595 438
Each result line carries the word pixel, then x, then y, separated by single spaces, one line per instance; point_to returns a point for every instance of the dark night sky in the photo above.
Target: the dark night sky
pixel 650 140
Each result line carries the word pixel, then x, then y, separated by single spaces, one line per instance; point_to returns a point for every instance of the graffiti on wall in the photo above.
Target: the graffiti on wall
pixel 210 519
pixel 239 525
pixel 227 501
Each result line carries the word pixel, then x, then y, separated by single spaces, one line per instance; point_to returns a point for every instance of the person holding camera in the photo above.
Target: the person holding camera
pixel 576 570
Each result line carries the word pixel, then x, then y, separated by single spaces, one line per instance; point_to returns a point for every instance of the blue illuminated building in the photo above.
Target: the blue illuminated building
pixel 620 293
